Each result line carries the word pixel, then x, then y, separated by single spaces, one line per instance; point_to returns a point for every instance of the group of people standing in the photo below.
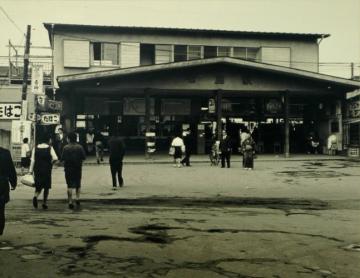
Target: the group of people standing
pixel 182 147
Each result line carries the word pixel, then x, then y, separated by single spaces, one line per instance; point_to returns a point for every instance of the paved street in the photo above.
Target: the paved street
pixel 296 218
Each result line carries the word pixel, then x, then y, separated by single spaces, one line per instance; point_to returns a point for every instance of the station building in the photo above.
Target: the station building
pixel 162 80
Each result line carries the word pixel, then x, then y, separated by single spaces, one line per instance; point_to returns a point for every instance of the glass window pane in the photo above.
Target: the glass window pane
pixel 110 54
pixel 240 52
pixel 224 51
pixel 194 52
pixel 251 53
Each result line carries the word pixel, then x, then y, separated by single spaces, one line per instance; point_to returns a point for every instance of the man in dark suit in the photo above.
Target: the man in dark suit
pixel 189 145
pixel 117 151
pixel 225 149
pixel 7 175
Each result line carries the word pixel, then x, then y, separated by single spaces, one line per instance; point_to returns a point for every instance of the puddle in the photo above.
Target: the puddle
pixel 314 174
pixel 353 247
pixel 32 257
pixel 6 248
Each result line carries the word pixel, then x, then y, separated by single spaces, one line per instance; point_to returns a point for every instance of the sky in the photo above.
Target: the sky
pixel 339 18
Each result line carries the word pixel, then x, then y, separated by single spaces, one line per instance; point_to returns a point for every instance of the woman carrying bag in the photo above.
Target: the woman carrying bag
pixel 177 148
pixel 42 158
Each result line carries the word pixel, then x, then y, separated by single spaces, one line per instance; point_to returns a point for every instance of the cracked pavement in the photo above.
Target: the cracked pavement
pixel 284 219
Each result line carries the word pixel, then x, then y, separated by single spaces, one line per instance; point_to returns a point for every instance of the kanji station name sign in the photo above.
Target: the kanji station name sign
pixel 10 111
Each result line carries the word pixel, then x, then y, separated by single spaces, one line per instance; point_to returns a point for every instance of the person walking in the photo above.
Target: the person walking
pixel 248 150
pixel 73 156
pixel 179 148
pixel 225 149
pixel 99 146
pixel 188 142
pixel 42 158
pixel 7 176
pixel 117 152
pixel 25 156
pixel 89 142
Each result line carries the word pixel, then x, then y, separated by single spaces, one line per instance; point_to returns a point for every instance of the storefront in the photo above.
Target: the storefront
pixel 282 105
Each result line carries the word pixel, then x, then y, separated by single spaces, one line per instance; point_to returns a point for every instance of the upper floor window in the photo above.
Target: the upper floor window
pixel 104 54
pixel 180 53
pixel 248 53
pixel 224 51
pixel 194 52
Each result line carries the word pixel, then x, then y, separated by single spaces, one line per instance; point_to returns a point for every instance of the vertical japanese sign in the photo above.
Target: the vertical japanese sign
pixel 20 130
pixel 37 79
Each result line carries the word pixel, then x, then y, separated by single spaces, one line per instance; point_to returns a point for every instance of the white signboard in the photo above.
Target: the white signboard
pixel 37 79
pixel 10 111
pixel 50 119
pixel 20 130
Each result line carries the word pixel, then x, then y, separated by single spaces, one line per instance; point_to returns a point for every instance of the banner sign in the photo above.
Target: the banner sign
pixel 173 106
pixel 48 105
pixel 37 79
pixel 136 106
pixel 49 119
pixel 10 111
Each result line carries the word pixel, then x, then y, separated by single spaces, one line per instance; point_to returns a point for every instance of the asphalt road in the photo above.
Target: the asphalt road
pixel 284 219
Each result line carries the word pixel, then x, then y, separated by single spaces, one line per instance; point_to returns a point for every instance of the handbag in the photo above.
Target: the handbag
pixel 172 150
pixel 28 180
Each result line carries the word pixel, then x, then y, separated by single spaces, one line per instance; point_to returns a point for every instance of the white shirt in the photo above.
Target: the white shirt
pixel 89 138
pixel 177 142
pixel 24 149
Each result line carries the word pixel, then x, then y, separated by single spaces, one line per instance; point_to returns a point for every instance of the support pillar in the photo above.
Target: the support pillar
pixel 286 125
pixel 147 121
pixel 218 96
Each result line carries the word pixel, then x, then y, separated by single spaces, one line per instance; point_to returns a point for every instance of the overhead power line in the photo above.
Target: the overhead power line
pixel 12 21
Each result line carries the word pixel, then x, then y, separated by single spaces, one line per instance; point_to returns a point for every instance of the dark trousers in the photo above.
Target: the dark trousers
pixel 2 214
pixel 116 169
pixel 186 159
pixel 225 156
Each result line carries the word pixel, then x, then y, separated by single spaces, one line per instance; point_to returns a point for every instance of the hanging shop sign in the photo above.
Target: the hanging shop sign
pixel 212 105
pixel 354 109
pixel 136 106
pixel 48 105
pixel 10 111
pixel 49 119
pixel 37 79
pixel 273 106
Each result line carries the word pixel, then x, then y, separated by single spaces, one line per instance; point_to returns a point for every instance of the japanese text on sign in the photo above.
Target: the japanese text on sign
pixel 50 119
pixel 10 111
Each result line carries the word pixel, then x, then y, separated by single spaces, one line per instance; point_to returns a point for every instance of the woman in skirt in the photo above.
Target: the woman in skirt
pixel 178 147
pixel 42 159
pixel 248 150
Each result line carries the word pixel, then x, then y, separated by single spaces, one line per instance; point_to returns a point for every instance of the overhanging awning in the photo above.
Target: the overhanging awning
pixel 345 84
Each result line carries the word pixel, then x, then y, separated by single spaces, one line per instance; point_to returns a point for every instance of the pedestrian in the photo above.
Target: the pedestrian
pixel 225 149
pixel 117 152
pixel 248 150
pixel 179 148
pixel 73 156
pixel 42 158
pixel 60 141
pixel 89 142
pixel 7 175
pixel 25 156
pixel 188 142
pixel 99 146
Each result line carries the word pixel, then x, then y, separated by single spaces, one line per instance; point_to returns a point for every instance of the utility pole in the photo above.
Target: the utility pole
pixel 352 70
pixel 26 73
